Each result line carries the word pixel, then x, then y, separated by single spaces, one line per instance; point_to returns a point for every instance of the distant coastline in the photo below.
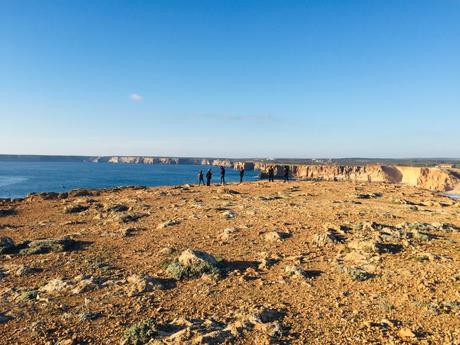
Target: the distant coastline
pixel 133 159
pixel 436 174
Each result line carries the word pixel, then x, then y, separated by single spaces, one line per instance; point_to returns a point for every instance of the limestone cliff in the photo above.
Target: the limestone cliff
pixel 242 164
pixel 437 179
pixel 222 162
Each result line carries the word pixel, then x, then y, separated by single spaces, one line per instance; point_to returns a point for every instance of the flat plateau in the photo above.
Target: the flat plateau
pixel 286 263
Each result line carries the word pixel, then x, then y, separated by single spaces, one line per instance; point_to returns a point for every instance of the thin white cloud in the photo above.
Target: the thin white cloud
pixel 135 97
pixel 244 117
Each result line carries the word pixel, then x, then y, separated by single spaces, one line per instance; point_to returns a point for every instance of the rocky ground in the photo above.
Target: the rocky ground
pixel 257 263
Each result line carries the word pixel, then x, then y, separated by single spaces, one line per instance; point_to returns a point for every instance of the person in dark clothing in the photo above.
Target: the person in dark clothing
pixel 241 174
pixel 271 174
pixel 286 173
pixel 200 178
pixel 208 177
pixel 222 175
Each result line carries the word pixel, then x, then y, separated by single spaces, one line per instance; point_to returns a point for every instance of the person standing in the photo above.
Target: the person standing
pixel 200 178
pixel 241 174
pixel 222 175
pixel 271 174
pixel 286 173
pixel 208 177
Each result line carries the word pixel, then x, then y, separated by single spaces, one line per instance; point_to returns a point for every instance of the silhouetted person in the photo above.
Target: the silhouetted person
pixel 271 174
pixel 222 175
pixel 286 173
pixel 241 174
pixel 200 178
pixel 208 177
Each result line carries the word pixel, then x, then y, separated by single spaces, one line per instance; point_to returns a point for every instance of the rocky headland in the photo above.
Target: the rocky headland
pixel 438 178
pixel 305 262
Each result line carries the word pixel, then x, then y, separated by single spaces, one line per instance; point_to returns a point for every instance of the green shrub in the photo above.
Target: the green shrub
pixel 176 271
pixel 140 333
pixel 358 274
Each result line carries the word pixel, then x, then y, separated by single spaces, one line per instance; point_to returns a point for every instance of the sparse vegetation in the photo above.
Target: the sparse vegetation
pixel 177 271
pixel 358 274
pixel 140 333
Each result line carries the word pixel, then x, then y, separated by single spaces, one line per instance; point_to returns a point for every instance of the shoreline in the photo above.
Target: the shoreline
pixel 49 195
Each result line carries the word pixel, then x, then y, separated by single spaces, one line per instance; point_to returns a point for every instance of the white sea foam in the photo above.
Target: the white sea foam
pixel 9 180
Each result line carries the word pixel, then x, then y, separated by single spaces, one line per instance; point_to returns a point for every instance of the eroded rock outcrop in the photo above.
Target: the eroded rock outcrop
pixel 435 178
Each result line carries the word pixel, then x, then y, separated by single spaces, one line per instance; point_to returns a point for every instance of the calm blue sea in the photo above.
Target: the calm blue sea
pixel 17 179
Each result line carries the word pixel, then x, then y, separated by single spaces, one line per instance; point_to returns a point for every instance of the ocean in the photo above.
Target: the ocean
pixel 18 179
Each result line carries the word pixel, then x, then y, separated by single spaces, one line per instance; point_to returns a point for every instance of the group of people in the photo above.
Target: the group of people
pixel 271 175
pixel 222 176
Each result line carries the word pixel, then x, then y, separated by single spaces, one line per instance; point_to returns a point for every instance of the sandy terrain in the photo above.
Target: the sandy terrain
pixel 296 263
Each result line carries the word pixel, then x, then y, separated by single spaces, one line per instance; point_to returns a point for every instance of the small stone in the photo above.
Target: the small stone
pixel 75 208
pixel 4 318
pixel 141 283
pixel 55 286
pixel 168 223
pixel 406 333
pixel 275 236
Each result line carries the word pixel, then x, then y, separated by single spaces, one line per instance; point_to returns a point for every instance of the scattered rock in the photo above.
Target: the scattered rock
pixel 328 237
pixel 128 218
pixel 75 208
pixel 229 214
pixel 89 316
pixel 4 212
pixel 80 193
pixel 50 246
pixel 49 195
pixel 227 191
pixel 275 236
pixel 139 284
pixel 128 231
pixel 228 233
pixel 118 208
pixel 55 287
pixel 358 274
pixel 270 197
pixel 192 257
pixel 295 272
pixel 167 251
pixel 4 318
pixel 168 223
pixel 84 285
pixel 7 245
pixel 29 295
pixel 368 195
pixel 23 270
pixel 192 264
pixel 406 333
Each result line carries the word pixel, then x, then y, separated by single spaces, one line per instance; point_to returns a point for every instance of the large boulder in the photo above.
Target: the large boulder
pixel 192 257
pixel 193 264
pixel 48 246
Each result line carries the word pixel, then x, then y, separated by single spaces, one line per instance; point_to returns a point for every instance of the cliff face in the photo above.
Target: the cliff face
pixel 428 178
pixel 431 178
pixel 222 162
pixel 228 163
pixel 244 165
pixel 148 160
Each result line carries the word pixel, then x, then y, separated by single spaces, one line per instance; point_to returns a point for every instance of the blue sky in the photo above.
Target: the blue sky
pixel 231 78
